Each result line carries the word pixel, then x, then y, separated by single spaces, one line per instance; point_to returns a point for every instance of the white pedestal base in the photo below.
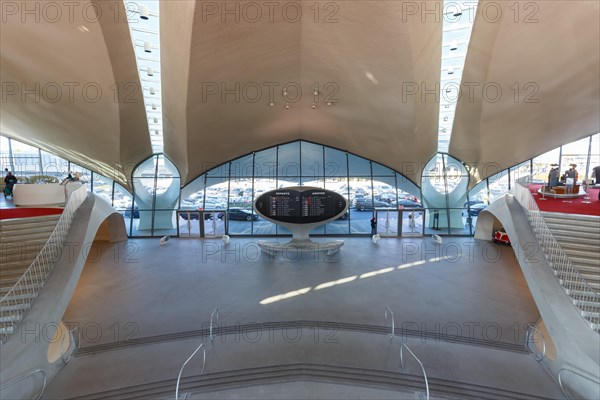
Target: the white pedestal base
pixel 274 248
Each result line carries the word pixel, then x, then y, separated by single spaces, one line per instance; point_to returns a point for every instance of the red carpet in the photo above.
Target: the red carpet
pixel 9 213
pixel 576 206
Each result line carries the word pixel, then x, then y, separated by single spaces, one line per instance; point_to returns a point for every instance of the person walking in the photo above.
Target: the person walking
pixel 373 226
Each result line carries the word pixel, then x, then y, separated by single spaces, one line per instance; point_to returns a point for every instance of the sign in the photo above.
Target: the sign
pixel 299 205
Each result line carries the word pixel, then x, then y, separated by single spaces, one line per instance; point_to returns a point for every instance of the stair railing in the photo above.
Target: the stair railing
pixel 529 334
pixel 404 346
pixel 560 383
pixel 25 376
pixel 186 362
pixel 568 276
pixel 388 314
pixel 212 315
pixel 71 340
pixel 12 306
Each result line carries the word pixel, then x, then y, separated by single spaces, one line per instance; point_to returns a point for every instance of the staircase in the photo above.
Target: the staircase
pixel 21 241
pixel 579 238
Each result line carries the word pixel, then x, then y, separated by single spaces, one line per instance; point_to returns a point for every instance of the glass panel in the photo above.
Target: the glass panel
pixel 575 153
pixel 82 174
pixel 436 221
pixel 289 160
pixel 384 191
pixel 123 200
pixel 541 165
pixel 407 189
pixel 240 215
pixel 265 163
pixel 26 161
pixel 412 222
pixel 479 194
pixel 167 197
pixel 242 167
pixel 498 185
pixel 54 166
pixel 341 226
pixel 380 170
pixel 5 154
pixel 519 171
pixel 335 163
pixel 312 160
pixel 103 187
pixel 216 194
pixel 361 202
pixel 192 194
pixel 359 166
pixel 387 222
pixel 261 226
pixel 219 171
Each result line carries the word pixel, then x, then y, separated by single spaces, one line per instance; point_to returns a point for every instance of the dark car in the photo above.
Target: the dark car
pixel 136 213
pixel 363 203
pixel 406 203
pixel 476 209
pixel 194 215
pixel 239 214
pixel 472 203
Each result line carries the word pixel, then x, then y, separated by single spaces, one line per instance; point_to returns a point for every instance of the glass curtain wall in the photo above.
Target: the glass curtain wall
pixel 366 185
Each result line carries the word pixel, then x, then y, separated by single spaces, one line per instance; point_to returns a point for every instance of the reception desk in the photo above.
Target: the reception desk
pixel 47 194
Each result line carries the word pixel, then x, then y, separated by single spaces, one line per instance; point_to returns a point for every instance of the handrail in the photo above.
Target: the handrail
pixel 12 306
pixel 576 373
pixel 27 375
pixel 402 346
pixel 216 310
pixel 529 335
pixel 75 345
pixel 385 314
pixel 567 274
pixel 185 363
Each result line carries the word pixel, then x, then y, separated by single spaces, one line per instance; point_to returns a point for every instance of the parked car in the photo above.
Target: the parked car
pixel 406 203
pixel 194 215
pixel 500 236
pixel 363 203
pixel 239 214
pixel 136 213
pixel 471 203
pixel 476 209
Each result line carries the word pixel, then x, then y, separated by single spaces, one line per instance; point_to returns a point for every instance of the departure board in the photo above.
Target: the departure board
pixel 300 205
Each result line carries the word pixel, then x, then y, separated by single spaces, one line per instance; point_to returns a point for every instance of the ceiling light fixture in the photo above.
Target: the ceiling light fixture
pixel 453 45
pixel 150 71
pixel 154 106
pixel 287 106
pixel 144 12
pixel 147 47
pixel 314 106
pixel 450 70
pixel 271 103
pixel 152 91
pixel 155 120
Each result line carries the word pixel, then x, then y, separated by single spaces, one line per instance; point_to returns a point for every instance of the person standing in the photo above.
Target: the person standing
pixel 553 177
pixel 571 178
pixel 373 226
pixel 596 174
pixel 9 181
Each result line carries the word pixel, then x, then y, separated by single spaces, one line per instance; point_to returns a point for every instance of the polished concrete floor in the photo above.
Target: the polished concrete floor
pixel 462 288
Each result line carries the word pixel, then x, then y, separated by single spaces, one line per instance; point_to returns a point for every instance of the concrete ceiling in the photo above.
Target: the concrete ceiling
pixel 551 50
pixel 360 62
pixel 71 67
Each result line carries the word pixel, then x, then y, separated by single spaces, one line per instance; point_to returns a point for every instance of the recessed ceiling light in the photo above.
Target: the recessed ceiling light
pixel 147 47
pixel 144 12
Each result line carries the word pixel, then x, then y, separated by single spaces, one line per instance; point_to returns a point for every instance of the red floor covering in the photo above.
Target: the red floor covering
pixel 568 206
pixel 10 213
